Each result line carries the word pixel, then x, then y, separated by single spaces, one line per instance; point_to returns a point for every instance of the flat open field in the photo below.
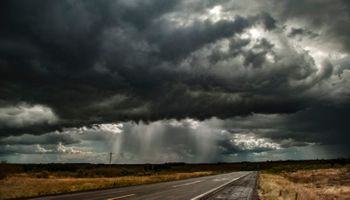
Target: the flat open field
pixel 317 184
pixel 278 180
pixel 24 186
pixel 30 180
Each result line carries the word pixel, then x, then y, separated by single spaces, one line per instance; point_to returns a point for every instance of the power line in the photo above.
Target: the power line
pixel 110 157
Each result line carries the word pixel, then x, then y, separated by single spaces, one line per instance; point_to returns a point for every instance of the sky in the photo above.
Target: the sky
pixel 157 81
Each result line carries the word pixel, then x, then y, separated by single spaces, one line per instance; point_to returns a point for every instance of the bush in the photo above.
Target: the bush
pixel 43 174
pixel 8 169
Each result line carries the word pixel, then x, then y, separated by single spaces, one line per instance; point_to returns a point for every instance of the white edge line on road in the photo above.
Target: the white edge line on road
pixel 120 197
pixel 186 184
pixel 214 189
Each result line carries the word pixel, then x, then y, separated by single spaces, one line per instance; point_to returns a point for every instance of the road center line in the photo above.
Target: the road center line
pixel 121 197
pixel 214 189
pixel 186 184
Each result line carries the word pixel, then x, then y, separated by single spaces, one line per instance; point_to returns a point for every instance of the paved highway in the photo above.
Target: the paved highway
pixel 243 188
pixel 236 185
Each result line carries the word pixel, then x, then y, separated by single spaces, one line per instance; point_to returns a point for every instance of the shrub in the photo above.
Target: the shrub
pixel 43 174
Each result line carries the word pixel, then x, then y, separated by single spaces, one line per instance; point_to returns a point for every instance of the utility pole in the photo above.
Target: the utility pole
pixel 110 157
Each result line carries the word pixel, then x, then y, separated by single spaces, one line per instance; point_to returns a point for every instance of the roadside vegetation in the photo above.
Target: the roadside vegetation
pixel 22 185
pixel 311 182
pixel 278 180
pixel 29 180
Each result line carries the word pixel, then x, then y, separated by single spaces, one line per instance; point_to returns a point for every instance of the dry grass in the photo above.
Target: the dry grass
pixel 21 185
pixel 321 184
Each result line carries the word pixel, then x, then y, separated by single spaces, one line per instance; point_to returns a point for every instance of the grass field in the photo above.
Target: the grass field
pixel 316 184
pixel 278 180
pixel 29 180
pixel 23 185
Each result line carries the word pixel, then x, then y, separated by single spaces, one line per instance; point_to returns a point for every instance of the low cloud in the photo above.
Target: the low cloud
pixel 23 114
pixel 249 142
pixel 186 140
pixel 49 138
pixel 41 149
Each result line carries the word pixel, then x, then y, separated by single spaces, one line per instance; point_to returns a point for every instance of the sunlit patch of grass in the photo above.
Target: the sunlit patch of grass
pixel 318 184
pixel 23 185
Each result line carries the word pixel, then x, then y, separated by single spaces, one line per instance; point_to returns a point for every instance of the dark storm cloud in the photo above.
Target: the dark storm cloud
pixel 325 125
pixel 184 41
pixel 331 17
pixel 301 32
pixel 50 138
pixel 105 61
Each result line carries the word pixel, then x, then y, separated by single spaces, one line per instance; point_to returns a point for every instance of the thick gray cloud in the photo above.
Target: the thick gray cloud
pixel 65 65
pixel 295 32
pixel 49 138
pixel 24 115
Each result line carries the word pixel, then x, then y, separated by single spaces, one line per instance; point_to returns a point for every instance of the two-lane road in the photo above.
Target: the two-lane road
pixel 189 189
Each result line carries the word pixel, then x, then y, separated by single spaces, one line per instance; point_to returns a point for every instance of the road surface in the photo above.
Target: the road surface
pixel 236 185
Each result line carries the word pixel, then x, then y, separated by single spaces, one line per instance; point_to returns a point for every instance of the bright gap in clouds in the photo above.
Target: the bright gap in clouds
pixel 215 13
pixel 255 33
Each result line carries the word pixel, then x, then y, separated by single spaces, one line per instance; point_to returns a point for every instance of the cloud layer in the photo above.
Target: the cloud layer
pixel 25 115
pixel 274 73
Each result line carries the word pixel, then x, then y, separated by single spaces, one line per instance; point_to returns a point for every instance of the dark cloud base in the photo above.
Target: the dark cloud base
pixel 93 62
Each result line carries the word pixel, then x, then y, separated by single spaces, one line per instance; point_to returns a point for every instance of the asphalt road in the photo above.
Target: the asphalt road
pixel 236 185
pixel 243 188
